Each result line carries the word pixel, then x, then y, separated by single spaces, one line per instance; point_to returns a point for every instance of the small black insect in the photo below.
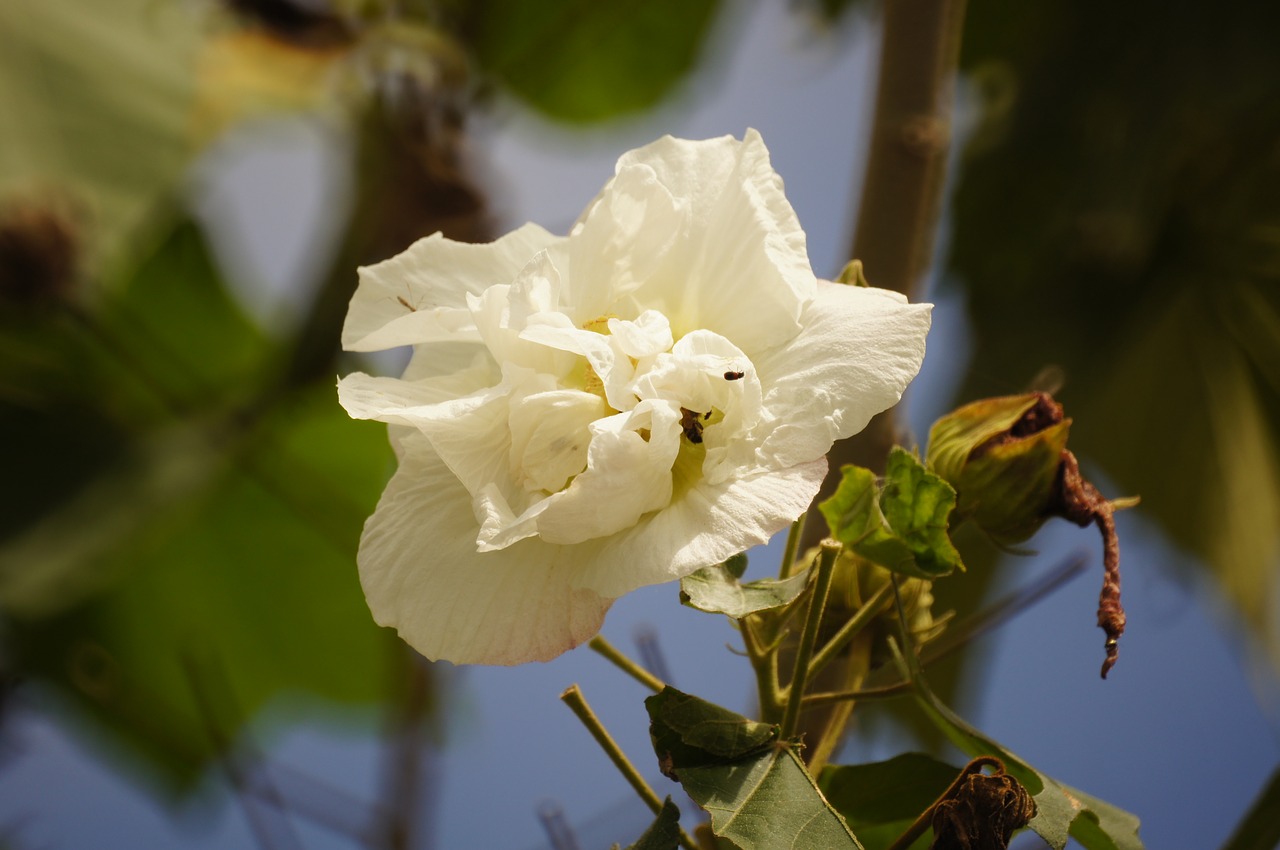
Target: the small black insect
pixel 691 423
pixel 734 376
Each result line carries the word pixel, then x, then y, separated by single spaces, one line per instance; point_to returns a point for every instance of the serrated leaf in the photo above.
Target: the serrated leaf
pixel 880 800
pixel 1061 810
pixel 900 523
pixel 717 591
pixel 589 61
pixel 756 789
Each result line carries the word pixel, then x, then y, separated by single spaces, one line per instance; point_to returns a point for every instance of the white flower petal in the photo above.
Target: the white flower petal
pixel 741 268
pixel 620 241
pixel 422 576
pixel 627 476
pixel 859 349
pixel 550 436
pixel 395 400
pixel 420 295
pixel 703 527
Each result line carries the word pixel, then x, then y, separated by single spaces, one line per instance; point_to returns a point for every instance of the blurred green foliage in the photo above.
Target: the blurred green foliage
pixel 587 61
pixel 1117 215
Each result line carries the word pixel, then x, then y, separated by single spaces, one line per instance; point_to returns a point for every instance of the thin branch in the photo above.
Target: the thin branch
pixel 625 664
pixel 573 698
pixel 856 623
pixel 830 549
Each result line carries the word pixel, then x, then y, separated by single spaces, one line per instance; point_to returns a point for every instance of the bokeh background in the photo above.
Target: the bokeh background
pixel 185 191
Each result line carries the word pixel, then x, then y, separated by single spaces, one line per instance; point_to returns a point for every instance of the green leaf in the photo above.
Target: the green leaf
pixel 588 61
pixel 901 523
pixel 1260 828
pixel 687 730
pixel 1061 811
pixel 755 788
pixel 663 833
pixel 717 590
pixel 880 800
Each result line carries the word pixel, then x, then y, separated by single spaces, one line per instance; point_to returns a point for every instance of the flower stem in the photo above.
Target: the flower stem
pixel 856 624
pixel 817 603
pixel 625 664
pixel 573 698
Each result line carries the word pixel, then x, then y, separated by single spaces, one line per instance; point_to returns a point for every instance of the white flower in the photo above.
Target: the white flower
pixel 589 414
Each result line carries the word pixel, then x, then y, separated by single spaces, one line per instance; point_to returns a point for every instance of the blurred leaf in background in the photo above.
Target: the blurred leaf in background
pixel 585 61
pixel 97 107
pixel 1117 214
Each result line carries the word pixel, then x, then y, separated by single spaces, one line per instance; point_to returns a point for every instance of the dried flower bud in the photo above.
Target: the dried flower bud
pixel 982 813
pixel 1008 460
pixel 1002 456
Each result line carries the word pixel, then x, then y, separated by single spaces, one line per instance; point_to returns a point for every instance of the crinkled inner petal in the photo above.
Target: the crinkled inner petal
pixel 628 475
pixel 423 576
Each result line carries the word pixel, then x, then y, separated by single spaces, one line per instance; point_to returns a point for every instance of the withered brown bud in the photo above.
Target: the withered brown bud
pixel 982 813
pixel 39 251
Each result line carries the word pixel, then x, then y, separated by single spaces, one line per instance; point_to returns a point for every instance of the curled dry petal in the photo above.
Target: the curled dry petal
pixel 588 414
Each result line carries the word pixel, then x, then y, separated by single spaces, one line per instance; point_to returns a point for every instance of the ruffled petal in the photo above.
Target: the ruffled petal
pixel 859 349
pixel 742 267
pixel 704 526
pixel 422 576
pixel 420 295
pixel 620 241
pixel 627 476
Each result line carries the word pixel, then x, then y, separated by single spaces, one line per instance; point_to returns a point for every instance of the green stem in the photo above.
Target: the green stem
pixel 792 549
pixel 573 698
pixel 765 664
pixel 625 664
pixel 856 624
pixel 809 637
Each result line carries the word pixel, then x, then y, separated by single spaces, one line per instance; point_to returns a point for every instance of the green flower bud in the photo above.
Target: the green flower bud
pixel 1002 455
